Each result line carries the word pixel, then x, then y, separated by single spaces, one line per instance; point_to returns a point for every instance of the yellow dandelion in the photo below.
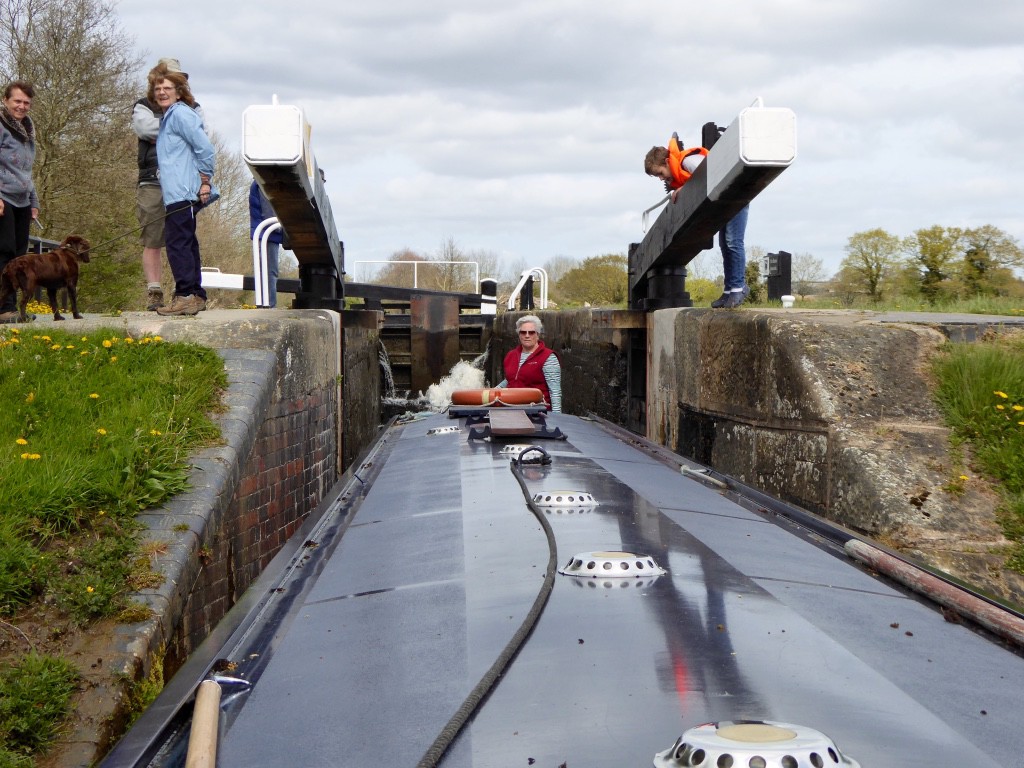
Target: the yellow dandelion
pixel 83 352
pixel 102 512
pixel 113 358
pixel 107 343
pixel 1000 394
pixel 101 431
pixel 26 455
pixel 1018 407
pixel 158 338
pixel 15 339
pixel 90 590
pixel 55 346
pixel 1021 423
pixel 128 339
pixel 85 338
pixel 94 396
pixel 70 346
pixel 144 340
pixel 963 477
pixel 1000 408
pixel 45 338
pixel 30 397
pixel 155 432
pixel 21 441
pixel 35 456
pixel 15 331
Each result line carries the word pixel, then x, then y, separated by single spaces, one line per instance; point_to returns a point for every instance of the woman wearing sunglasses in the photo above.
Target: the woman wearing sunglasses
pixel 531 364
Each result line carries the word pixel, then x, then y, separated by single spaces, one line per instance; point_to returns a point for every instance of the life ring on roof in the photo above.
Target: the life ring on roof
pixel 506 396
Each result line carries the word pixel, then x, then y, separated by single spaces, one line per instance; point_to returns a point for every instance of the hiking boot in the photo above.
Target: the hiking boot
pixel 154 299
pixel 183 305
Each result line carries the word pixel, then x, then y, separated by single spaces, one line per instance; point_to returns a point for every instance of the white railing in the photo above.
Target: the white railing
pixel 260 238
pixel 526 275
pixel 416 264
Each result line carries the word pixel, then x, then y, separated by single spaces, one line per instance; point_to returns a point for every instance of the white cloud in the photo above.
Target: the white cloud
pixel 520 127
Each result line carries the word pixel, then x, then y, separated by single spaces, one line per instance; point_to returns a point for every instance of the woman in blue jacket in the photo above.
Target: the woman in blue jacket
pixel 186 160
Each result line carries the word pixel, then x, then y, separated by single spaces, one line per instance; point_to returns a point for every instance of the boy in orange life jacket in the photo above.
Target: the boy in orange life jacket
pixel 674 166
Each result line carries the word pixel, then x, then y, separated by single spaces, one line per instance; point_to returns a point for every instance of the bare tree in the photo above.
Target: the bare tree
pixel 806 270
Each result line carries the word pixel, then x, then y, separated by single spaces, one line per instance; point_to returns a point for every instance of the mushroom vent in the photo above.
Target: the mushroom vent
pixel 513 449
pixel 443 430
pixel 564 499
pixel 753 744
pixel 611 565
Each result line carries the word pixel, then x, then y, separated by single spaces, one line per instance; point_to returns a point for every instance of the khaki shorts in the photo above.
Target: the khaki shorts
pixel 150 210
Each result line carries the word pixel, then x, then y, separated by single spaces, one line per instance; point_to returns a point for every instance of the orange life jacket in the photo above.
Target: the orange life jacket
pixel 676 155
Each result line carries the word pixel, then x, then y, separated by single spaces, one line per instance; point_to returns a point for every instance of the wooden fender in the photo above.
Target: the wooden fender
pixel 507 396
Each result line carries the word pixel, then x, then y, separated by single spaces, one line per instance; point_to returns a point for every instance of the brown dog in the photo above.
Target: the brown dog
pixel 52 271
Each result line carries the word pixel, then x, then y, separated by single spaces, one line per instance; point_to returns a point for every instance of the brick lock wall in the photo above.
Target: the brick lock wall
pixel 291 466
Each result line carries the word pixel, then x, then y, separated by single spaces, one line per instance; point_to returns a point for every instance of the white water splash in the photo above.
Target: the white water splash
pixel 462 376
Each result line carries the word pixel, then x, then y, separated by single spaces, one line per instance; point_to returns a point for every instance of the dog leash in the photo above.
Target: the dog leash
pixel 143 226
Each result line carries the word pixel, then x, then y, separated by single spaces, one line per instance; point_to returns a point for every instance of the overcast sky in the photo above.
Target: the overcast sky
pixel 520 126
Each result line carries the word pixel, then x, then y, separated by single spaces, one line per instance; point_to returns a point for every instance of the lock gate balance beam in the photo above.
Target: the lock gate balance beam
pixel 275 145
pixel 758 145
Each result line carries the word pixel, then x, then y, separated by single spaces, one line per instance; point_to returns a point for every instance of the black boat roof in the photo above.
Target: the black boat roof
pixel 403 596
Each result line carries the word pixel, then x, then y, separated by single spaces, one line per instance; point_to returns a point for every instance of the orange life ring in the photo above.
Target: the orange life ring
pixel 506 396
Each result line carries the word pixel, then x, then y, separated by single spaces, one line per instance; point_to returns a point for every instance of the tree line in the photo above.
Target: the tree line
pixel 85 72
pixel 935 264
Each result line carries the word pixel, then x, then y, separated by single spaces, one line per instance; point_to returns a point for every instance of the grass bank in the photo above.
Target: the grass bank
pixel 981 392
pixel 96 428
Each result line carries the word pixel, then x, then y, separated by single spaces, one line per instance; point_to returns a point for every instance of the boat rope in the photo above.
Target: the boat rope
pixel 480 691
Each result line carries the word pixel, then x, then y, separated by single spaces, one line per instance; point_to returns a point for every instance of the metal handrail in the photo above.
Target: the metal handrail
pixel 415 271
pixel 526 275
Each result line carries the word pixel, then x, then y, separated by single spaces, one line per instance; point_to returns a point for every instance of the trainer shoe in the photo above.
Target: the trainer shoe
pixel 183 305
pixel 154 299
pixel 735 299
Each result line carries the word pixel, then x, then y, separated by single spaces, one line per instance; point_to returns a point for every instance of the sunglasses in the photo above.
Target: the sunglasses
pixel 527 333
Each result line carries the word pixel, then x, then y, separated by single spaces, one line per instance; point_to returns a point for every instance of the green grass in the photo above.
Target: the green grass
pixel 96 428
pixel 982 305
pixel 34 697
pixel 981 392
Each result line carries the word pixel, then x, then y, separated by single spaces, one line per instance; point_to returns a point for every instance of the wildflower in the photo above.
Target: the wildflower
pixel 55 346
pixel 85 338
pixel 128 339
pixel 158 338
pixel 83 352
pixel 35 456
pixel 45 338
pixel 144 340
pixel 21 441
pixel 155 432
pixel 90 590
pixel 963 477
pixel 107 344
pixel 1021 423
pixel 102 512
pixel 26 455
pixel 15 331
pixel 94 396
pixel 70 346
pixel 113 358
pixel 1000 394
pixel 30 397
pixel 1018 407
pixel 101 431
pixel 1000 408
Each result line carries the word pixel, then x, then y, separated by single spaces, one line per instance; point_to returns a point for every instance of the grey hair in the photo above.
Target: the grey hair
pixel 530 319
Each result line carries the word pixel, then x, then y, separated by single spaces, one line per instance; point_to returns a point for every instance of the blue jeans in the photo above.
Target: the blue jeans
pixel 272 252
pixel 734 257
